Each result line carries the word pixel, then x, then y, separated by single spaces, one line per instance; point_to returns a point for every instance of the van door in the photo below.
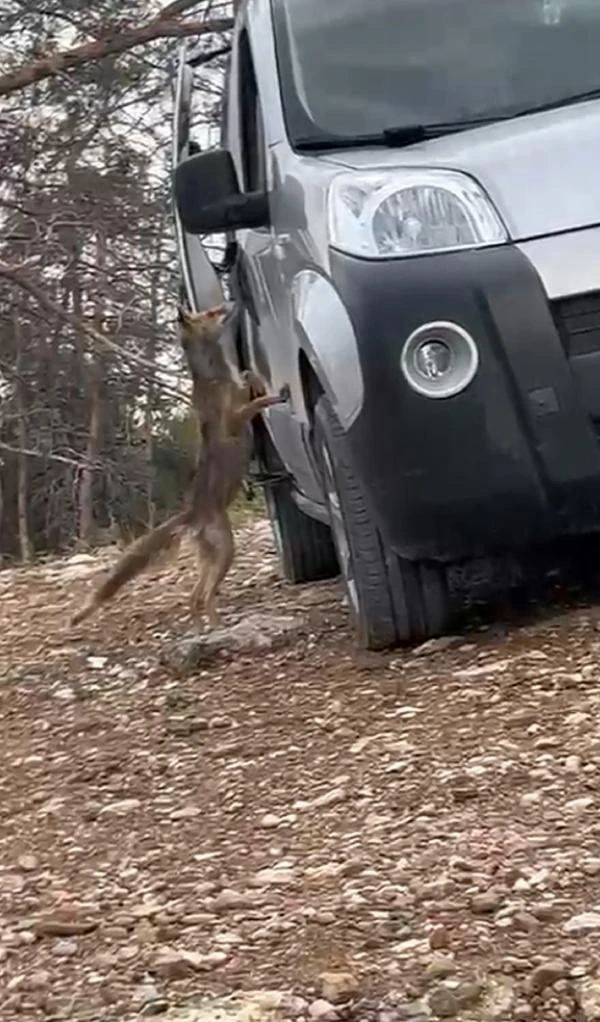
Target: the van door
pixel 201 285
pixel 269 342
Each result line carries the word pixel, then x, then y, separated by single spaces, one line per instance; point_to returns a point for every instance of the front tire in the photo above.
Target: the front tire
pixel 392 600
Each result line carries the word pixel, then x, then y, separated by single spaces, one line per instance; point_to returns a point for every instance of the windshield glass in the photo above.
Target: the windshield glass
pixel 355 67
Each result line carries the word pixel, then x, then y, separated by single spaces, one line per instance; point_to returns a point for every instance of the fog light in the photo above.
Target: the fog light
pixel 439 359
pixel 433 359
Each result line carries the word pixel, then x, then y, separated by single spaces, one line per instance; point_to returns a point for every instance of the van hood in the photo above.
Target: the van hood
pixel 542 171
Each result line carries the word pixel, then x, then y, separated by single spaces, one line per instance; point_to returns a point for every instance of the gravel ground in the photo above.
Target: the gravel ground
pixel 409 835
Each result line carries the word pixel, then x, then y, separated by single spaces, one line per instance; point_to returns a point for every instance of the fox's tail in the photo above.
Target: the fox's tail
pixel 135 559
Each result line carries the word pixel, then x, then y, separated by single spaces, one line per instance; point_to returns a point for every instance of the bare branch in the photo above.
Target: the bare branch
pixel 115 40
pixel 29 453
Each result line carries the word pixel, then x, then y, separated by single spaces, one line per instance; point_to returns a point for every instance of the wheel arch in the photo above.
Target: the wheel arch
pixel 328 360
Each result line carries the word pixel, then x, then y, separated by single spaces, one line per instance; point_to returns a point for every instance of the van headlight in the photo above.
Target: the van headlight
pixel 406 212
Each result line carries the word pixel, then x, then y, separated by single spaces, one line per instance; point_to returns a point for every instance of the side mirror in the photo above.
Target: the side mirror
pixel 208 197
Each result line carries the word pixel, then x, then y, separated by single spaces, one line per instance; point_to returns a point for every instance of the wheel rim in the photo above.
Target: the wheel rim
pixel 338 530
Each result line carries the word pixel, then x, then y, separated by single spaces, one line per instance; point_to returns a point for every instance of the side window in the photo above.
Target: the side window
pixel 251 122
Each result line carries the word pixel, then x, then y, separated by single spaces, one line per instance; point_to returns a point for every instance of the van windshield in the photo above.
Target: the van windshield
pixel 356 67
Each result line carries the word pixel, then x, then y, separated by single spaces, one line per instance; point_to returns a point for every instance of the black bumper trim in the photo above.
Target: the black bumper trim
pixel 512 460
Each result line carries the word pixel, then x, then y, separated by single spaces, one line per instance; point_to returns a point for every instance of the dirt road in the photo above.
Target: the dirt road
pixel 427 823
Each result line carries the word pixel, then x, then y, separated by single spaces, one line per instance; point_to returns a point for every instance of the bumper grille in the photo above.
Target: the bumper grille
pixel 578 323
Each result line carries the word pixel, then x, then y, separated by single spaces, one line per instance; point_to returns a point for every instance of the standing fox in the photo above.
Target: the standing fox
pixel 224 406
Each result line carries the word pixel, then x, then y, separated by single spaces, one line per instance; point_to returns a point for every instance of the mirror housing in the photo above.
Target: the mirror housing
pixel 208 197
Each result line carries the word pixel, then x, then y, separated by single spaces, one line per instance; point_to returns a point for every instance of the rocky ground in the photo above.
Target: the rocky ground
pixel 410 835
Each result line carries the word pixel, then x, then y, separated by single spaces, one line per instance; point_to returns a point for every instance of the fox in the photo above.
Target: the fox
pixel 225 402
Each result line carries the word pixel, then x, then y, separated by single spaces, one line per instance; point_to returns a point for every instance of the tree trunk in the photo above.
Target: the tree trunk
pixel 25 547
pixel 86 478
pixel 151 389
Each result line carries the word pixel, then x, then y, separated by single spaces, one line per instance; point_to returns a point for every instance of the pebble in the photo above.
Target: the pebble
pixel 579 805
pixel 337 987
pixel 277 877
pixel 547 973
pixel 440 967
pixel 578 926
pixel 270 821
pixel 229 900
pixel 293 1007
pixel 439 938
pixel 114 932
pixel 156 1007
pixel 588 996
pixel 438 645
pixel 322 1011
pixel 28 863
pixel 487 902
pixel 442 1002
pixel 499 1000
pixel 40 979
pixel 65 948
pixel 573 764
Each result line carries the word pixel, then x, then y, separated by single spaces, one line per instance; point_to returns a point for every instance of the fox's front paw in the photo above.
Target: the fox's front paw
pixel 256 386
pixel 284 393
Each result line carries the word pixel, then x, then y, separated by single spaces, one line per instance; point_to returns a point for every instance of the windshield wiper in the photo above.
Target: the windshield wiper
pixel 556 104
pixel 403 135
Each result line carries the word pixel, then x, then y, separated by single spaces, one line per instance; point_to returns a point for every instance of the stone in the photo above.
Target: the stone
pixel 337 987
pixel 439 938
pixel 145 932
pixel 64 948
pixel 329 798
pixel 293 1007
pixel 145 995
pixel 171 964
pixel 547 973
pixel 279 877
pixel 40 979
pixel 499 999
pixel 526 922
pixel 442 1002
pixel 580 805
pixel 121 808
pixel 487 902
pixel 52 926
pixel 229 900
pixel 254 633
pixel 573 764
pixel 28 863
pixel 588 995
pixel 186 813
pixel 212 960
pixel 322 1011
pixel 270 821
pixel 438 645
pixel 580 925
pixel 158 1006
pixel 440 967
pixel 468 993
pixel 522 1011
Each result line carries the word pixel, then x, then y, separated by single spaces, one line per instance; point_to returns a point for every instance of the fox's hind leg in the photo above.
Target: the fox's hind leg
pixel 205 555
pixel 220 535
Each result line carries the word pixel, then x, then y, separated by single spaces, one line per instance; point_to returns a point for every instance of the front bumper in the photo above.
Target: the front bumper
pixel 512 461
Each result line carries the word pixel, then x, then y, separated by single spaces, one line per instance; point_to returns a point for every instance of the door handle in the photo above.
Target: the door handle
pixel 278 245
